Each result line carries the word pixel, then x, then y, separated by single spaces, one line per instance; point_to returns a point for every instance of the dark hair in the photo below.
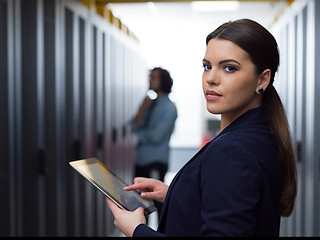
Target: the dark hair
pixel 165 79
pixel 262 48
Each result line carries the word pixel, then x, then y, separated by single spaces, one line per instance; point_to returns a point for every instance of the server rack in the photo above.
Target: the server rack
pixel 64 72
pixel 297 32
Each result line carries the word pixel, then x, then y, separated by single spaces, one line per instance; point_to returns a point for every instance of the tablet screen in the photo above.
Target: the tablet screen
pixel 111 185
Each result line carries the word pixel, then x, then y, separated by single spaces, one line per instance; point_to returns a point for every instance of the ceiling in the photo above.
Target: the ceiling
pixel 265 12
pixel 135 1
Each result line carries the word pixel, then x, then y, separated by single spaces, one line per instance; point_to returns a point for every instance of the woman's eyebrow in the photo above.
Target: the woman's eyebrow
pixel 228 60
pixel 222 62
pixel 206 61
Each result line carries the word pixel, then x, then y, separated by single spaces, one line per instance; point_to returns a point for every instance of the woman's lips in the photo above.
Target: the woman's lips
pixel 212 95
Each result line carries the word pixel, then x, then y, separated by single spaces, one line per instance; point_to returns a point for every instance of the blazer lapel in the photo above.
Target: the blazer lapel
pixel 178 174
pixel 165 204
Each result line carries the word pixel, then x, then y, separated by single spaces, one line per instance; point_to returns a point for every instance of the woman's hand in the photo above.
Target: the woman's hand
pixel 149 188
pixel 126 221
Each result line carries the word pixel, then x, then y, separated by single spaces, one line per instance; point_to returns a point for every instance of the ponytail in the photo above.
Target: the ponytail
pixel 279 124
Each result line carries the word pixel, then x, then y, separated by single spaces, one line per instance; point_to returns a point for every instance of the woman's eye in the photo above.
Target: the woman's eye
pixel 206 67
pixel 230 69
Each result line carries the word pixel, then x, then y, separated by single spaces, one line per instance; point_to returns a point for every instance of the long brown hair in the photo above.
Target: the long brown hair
pixel 262 48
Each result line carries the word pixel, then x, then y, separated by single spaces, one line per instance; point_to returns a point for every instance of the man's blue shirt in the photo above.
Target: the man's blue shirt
pixel 155 131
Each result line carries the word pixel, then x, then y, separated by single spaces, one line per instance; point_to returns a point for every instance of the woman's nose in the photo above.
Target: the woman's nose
pixel 212 77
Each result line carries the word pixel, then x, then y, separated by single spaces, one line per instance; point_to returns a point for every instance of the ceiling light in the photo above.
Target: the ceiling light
pixel 215 6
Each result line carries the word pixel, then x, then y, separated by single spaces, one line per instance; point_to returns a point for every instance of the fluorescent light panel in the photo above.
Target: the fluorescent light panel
pixel 215 6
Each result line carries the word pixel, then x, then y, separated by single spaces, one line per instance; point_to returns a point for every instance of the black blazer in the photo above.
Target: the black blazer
pixel 231 187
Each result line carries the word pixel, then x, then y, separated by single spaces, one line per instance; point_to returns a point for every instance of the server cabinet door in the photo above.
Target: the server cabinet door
pixel 50 166
pixel 30 131
pixel 4 124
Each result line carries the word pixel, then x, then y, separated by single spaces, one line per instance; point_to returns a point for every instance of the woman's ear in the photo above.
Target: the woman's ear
pixel 263 81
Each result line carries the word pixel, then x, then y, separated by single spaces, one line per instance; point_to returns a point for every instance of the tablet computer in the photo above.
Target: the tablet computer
pixel 111 185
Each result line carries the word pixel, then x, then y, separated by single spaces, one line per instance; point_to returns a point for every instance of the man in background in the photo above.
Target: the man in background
pixel 154 124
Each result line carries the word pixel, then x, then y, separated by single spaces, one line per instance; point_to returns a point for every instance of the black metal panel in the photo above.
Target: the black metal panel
pixel 97 138
pixel 108 218
pixel 316 118
pixel 82 130
pixel 116 106
pixel 51 167
pixel 71 151
pixel 4 124
pixel 30 167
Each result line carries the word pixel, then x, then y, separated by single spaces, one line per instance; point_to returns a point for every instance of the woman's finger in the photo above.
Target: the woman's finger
pixel 131 187
pixel 140 184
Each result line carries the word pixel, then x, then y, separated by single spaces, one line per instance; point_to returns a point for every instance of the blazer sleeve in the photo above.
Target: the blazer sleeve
pixel 143 230
pixel 230 187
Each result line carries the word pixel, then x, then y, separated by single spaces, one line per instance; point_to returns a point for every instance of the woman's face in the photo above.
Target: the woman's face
pixel 229 79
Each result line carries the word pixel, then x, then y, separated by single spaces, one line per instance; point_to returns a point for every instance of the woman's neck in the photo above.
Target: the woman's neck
pixel 228 117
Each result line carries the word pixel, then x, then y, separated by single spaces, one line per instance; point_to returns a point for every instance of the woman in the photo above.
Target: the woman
pixel 241 182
